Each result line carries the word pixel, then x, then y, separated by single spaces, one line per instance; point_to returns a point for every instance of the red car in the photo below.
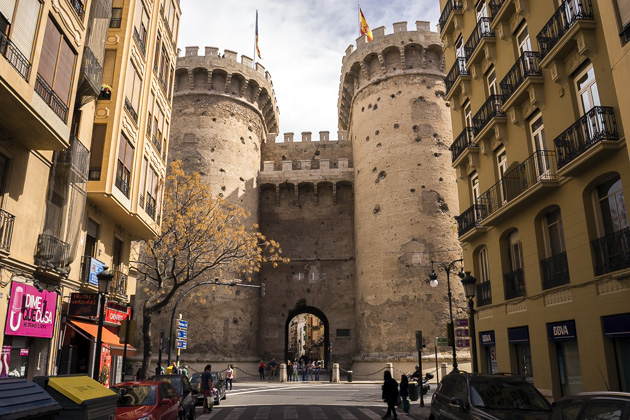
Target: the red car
pixel 146 400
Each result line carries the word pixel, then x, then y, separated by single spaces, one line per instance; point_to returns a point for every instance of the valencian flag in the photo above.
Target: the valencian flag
pixel 364 29
pixel 257 49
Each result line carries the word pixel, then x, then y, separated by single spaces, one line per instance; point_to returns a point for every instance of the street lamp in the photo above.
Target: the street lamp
pixel 470 288
pixel 447 268
pixel 104 277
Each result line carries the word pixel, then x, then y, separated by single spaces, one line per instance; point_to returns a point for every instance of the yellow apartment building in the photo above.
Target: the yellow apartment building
pixel 542 168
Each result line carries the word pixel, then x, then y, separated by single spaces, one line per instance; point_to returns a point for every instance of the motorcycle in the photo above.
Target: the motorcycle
pixel 425 387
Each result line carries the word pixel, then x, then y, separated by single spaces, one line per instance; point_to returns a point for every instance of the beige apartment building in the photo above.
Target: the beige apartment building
pixel 542 173
pixel 86 90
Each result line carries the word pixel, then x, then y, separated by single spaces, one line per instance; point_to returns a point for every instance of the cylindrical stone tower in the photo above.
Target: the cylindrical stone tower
pixel 223 110
pixel 391 102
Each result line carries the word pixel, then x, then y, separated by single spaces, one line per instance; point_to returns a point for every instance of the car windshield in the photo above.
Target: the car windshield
pixel 134 395
pixel 174 380
pixel 506 395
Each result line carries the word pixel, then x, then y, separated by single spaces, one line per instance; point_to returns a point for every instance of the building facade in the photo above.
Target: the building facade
pixel 542 174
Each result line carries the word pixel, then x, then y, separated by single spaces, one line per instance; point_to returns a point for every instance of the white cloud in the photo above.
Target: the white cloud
pixel 301 42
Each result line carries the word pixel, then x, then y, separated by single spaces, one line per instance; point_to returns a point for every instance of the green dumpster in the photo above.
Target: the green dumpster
pixel 349 373
pixel 413 391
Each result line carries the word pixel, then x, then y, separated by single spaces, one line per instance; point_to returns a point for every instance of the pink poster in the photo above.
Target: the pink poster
pixel 5 356
pixel 31 313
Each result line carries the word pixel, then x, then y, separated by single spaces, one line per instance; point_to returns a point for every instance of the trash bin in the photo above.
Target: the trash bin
pixel 81 397
pixel 413 391
pixel 24 399
pixel 349 373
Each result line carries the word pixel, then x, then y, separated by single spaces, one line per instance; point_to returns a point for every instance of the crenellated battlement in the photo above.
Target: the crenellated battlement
pixel 223 74
pixel 307 137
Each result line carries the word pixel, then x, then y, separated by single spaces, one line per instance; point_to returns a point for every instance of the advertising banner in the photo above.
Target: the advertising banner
pixel 96 267
pixel 31 313
pixel 83 304
pixel 5 357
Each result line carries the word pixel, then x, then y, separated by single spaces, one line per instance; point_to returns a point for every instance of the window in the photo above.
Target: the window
pixel 523 41
pixel 459 47
pixel 501 160
pixel 133 87
pixel 117 254
pixel 99 132
pixel 125 163
pixel 91 239
pixel 57 62
pixel 537 132
pixel 491 82
pixel 515 251
pixel 152 192
pixel 474 185
pixel 482 13
pixel 116 19
pixel 18 20
pixel 554 236
pixel 587 91
pixel 623 15
pixel 156 57
pixel 612 206
pixel 467 115
pixel 143 181
pixel 484 267
pixel 109 65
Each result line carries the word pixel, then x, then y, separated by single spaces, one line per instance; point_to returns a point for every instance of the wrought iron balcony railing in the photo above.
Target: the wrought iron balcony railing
pixel 52 252
pixel 122 185
pixel 489 110
pixel 458 69
pixel 115 22
pixel 157 143
pixel 538 166
pixel 14 56
pixel 565 16
pixel 495 6
pixel 139 41
pixel 555 271
pixel 78 7
pixel 596 125
pixel 612 252
pixel 528 64
pixel 150 209
pixel 514 283
pixel 119 283
pixel 462 142
pixel 482 30
pixel 470 218
pixel 6 230
pixel 51 98
pixel 484 293
pixel 446 12
pixel 132 111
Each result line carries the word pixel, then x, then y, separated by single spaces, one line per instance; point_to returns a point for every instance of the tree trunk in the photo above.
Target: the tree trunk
pixel 147 343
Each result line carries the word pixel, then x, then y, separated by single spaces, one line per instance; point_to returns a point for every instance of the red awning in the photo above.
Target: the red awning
pixel 107 337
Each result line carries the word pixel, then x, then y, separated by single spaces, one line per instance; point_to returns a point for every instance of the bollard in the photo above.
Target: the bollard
pixel 335 373
pixel 283 372
pixel 443 370
pixel 349 376
pixel 390 367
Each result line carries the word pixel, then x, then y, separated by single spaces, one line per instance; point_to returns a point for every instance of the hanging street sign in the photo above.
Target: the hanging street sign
pixel 462 332
pixel 182 334
pixel 462 342
pixel 441 341
pixel 182 325
pixel 181 344
pixel 461 322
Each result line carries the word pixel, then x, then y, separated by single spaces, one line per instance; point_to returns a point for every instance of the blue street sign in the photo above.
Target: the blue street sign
pixel 181 344
pixel 182 325
pixel 182 334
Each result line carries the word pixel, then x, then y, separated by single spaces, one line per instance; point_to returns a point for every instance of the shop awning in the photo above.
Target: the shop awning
pixel 107 337
pixel 21 399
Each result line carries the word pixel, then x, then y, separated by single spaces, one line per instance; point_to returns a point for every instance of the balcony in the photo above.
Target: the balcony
pixel 458 79
pixel 151 205
pixel 451 16
pixel 593 135
pixel 52 253
pixel 514 283
pixel 521 184
pixel 555 271
pixel 611 252
pixel 572 21
pixel 14 56
pixel 524 75
pixel 509 11
pixel 484 293
pixel 122 185
pixel 481 37
pixel 489 115
pixel 90 75
pixel 462 143
pixel 469 220
pixel 157 143
pixel 131 110
pixel 139 41
pixel 79 8
pixel 119 283
pixel 51 98
pixel 6 230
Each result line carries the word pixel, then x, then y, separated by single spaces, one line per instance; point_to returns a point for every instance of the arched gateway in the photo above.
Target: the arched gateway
pixel 290 353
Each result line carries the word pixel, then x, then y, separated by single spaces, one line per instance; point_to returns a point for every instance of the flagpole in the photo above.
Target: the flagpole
pixel 255 38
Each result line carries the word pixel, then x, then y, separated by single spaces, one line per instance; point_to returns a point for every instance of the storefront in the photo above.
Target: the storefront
pixel 521 352
pixel 28 331
pixel 488 351
pixel 617 330
pixel 563 336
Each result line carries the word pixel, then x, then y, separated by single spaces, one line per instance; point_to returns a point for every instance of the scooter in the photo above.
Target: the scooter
pixel 425 384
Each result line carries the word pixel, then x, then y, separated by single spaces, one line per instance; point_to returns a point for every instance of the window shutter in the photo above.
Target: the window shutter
pixel 129 81
pixel 98 143
pixel 143 174
pixel 25 26
pixel 137 85
pixel 122 146
pixel 50 49
pixel 65 71
pixel 128 155
pixel 109 65
pixel 623 7
pixel 6 8
pixel 154 184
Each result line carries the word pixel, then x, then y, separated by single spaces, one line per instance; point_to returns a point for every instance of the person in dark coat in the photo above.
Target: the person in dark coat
pixel 404 392
pixel 390 394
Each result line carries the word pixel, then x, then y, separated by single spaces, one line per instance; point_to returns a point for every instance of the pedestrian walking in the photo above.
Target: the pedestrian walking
pixel 261 370
pixel 390 394
pixel 303 370
pixel 273 368
pixel 318 366
pixel 206 387
pixel 309 371
pixel 229 376
pixel 289 371
pixel 404 393
pixel 296 367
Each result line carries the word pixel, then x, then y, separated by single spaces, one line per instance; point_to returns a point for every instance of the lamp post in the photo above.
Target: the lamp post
pixel 104 277
pixel 470 288
pixel 447 267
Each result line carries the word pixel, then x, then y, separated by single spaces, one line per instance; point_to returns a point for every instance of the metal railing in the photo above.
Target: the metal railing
pixel 470 218
pixel 514 284
pixel 484 293
pixel 51 98
pixel 482 30
pixel 91 73
pixel 538 166
pixel 78 7
pixel 569 12
pixel 528 64
pixel 462 142
pixel 555 271
pixel 596 125
pixel 458 69
pixel 119 283
pixel 115 22
pixel 132 111
pixel 446 12
pixel 6 230
pixel 495 6
pixel 489 110
pixel 52 252
pixel 157 143
pixel 122 185
pixel 612 252
pixel 151 205
pixel 139 41
pixel 94 174
pixel 14 56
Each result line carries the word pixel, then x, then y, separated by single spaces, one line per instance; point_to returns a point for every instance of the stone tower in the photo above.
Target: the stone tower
pixel 391 103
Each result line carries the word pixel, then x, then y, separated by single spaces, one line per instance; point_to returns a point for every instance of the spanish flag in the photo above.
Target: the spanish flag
pixel 364 29
pixel 257 49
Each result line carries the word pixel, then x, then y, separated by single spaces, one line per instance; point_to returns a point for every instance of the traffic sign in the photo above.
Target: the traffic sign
pixel 181 344
pixel 441 341
pixel 182 325
pixel 463 342
pixel 462 332
pixel 462 322
pixel 182 334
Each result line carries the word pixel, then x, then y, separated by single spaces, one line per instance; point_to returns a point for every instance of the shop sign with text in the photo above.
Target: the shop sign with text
pixel 83 304
pixel 31 313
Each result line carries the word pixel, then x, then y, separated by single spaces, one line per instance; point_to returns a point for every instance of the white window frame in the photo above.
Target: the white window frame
pixel 525 44
pixel 590 89
pixel 501 162
pixel 515 249
pixel 474 187
pixel 484 266
pixel 547 225
pixel 491 82
pixel 538 145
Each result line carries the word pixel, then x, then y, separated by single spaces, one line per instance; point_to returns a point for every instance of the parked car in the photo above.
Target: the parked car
pixel 483 396
pixel 184 392
pixel 593 405
pixel 146 400
pixel 219 385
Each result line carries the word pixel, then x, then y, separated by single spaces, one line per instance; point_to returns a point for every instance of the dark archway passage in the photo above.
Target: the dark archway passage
pixel 317 313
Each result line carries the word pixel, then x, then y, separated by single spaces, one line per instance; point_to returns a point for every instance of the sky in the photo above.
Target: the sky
pixel 301 43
